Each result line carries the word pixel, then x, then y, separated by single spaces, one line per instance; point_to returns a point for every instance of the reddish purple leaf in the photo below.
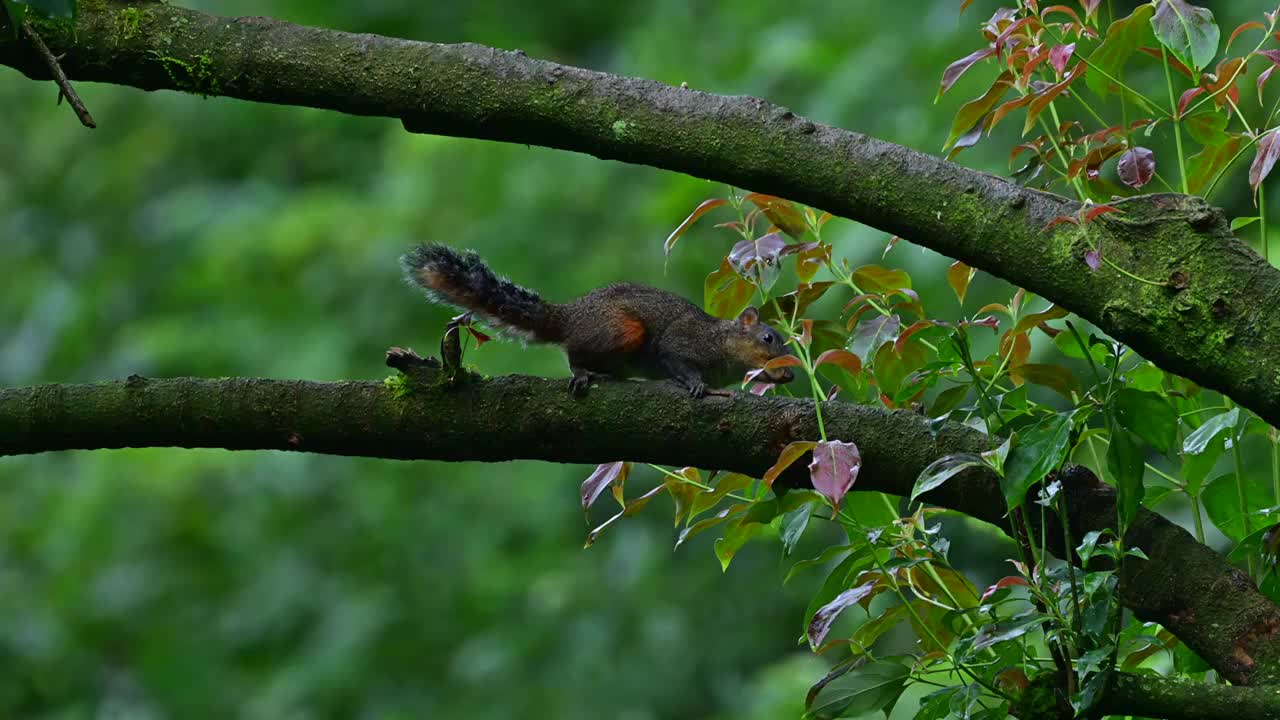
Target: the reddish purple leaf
pixel 1262 80
pixel 1090 7
pixel 1093 259
pixel 1010 581
pixel 1061 219
pixel 1137 167
pixel 822 620
pixel 834 469
pixel 1060 56
pixel 602 477
pixel 1251 25
pixel 1186 99
pixel 958 68
pixel 1268 151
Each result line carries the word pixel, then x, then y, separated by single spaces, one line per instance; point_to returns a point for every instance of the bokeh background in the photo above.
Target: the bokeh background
pixel 212 237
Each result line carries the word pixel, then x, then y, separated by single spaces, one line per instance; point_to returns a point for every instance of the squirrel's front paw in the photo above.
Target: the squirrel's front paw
pixel 578 383
pixel 697 388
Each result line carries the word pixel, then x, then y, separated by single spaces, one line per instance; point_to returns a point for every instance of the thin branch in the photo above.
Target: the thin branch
pixel 1186 587
pixel 55 69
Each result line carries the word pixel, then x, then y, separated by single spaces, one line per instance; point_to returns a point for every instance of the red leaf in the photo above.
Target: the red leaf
pixel 1174 62
pixel 958 68
pixel 1137 167
pixel 1262 80
pixel 1050 94
pixel 1011 581
pixel 1251 25
pixel 1268 151
pixel 1061 9
pixel 1060 55
pixel 834 469
pixel 1056 222
pixel 703 209
pixel 912 330
pixel 1090 7
pixel 1096 210
pixel 782 213
pixel 1186 99
pixel 840 358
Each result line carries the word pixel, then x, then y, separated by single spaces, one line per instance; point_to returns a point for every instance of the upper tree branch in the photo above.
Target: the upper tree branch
pixel 1186 587
pixel 1212 323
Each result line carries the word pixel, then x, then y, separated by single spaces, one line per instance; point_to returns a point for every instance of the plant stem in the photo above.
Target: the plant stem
pixel 1177 121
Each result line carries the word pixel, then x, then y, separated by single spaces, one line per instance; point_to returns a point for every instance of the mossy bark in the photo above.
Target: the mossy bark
pixel 1202 314
pixel 1186 587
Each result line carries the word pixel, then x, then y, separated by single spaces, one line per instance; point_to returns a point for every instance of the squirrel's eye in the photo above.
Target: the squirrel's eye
pixel 768 338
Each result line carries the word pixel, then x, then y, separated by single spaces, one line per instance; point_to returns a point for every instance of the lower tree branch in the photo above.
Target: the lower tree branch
pixel 65 90
pixel 1186 587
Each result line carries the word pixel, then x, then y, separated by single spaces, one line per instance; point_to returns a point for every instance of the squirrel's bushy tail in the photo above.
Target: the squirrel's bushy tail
pixel 463 280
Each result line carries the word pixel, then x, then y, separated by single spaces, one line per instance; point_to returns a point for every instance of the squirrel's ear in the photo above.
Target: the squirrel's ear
pixel 749 317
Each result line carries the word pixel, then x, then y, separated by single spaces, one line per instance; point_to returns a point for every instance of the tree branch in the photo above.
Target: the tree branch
pixel 1210 322
pixel 1186 587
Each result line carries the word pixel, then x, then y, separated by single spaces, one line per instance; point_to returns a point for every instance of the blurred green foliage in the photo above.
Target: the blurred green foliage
pixel 218 238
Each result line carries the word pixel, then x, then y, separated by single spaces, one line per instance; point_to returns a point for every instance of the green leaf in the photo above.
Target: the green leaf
pixel 870 631
pixel 838 580
pixel 1205 165
pixel 1146 377
pixel 1197 441
pixel 793 526
pixel 1207 128
pixel 943 469
pixel 1222 503
pixel 734 538
pixel 1040 450
pixel 1188 31
pixel 1149 416
pixel 51 8
pixel 1243 222
pixel 826 556
pixel 1123 38
pixel 872 687
pixel 1125 462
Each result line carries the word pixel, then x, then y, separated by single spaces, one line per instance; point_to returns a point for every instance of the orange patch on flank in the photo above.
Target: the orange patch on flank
pixel 631 333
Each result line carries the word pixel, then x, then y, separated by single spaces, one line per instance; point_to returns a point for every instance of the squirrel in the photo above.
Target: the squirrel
pixel 621 330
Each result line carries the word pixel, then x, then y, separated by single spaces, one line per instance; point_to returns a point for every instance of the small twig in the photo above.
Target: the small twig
pixel 59 77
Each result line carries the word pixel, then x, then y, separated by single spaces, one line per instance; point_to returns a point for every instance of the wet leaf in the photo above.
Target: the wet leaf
pixel 872 334
pixel 834 469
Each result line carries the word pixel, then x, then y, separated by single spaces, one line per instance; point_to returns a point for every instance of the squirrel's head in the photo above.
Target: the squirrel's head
pixel 758 344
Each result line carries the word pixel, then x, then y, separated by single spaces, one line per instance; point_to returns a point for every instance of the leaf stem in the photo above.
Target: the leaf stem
pixel 1177 120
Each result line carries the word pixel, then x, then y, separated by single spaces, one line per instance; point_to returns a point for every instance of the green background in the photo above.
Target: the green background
pixel 212 237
